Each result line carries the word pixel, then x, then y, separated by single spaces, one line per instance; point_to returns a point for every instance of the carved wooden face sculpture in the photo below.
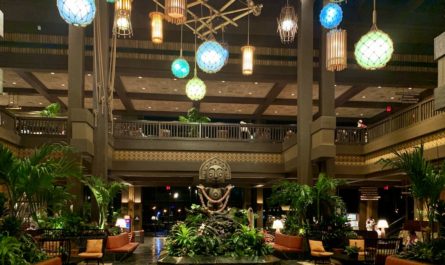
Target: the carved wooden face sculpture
pixel 215 174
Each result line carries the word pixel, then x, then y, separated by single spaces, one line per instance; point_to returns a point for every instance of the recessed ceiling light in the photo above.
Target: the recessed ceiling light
pixel 392 97
pixel 14 83
pixel 337 113
pixel 11 102
pixel 293 94
pixel 175 79
pixel 53 73
pixel 176 108
pixel 149 107
pixel 275 112
pixel 239 110
pixel 409 88
pixel 379 87
pixel 363 96
pixel 223 81
pixel 139 77
pixel 219 92
pixel 213 109
pixel 40 103
pixel 143 88
pixel 62 84
pixel 361 114
pixel 250 93
pixel 335 85
pixel 175 89
pixel 256 83
pixel 88 74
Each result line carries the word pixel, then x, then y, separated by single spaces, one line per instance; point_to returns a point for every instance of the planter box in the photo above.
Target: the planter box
pixel 218 260
pixel 393 260
pixel 53 261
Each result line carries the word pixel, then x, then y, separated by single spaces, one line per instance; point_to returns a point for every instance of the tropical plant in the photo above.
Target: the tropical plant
pixel 51 111
pixel 299 197
pixel 182 241
pixel 11 226
pixel 352 250
pixel 10 251
pixel 431 252
pixel 248 242
pixel 427 182
pixel 104 193
pixel 323 191
pixel 193 115
pixel 30 181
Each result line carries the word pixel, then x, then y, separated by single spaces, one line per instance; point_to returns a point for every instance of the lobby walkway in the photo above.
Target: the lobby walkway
pixel 148 252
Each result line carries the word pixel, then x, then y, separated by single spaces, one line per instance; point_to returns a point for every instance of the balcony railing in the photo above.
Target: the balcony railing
pixel 351 135
pixel 7 121
pixel 417 113
pixel 220 131
pixel 41 126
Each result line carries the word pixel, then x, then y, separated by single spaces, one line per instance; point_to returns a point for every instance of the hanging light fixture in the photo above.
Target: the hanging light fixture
pixel 287 23
pixel 331 16
pixel 374 49
pixel 157 33
pixel 211 56
pixel 122 18
pixel 247 53
pixel 195 88
pixel 180 67
pixel 336 50
pixel 176 11
pixel 79 13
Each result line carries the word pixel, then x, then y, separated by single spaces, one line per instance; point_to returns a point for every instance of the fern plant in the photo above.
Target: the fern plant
pixel 10 251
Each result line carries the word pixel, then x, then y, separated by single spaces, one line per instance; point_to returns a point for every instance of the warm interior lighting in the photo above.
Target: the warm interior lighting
pixel 120 222
pixel 211 56
pixel 157 34
pixel 247 65
pixel 287 24
pixel 122 18
pixel 195 89
pixel 176 11
pixel 336 50
pixel 277 224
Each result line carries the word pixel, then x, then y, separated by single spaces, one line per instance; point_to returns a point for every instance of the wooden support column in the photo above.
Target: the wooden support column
pixel 323 130
pixel 100 161
pixel 305 81
pixel 260 207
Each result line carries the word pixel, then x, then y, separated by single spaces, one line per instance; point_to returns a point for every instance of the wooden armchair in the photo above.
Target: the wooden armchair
pixel 94 251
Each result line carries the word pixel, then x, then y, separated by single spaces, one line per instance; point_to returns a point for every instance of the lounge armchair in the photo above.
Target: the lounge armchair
pixel 94 251
pixel 318 253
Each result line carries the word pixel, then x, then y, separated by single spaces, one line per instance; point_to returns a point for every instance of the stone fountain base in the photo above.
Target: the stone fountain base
pixel 219 260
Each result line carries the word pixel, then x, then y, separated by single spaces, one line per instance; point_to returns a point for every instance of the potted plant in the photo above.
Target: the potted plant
pixel 51 111
pixel 352 251
pixel 193 116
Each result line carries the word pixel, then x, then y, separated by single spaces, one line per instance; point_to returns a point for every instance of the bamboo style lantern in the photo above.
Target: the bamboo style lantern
pixel 176 11
pixel 248 54
pixel 122 18
pixel 336 50
pixel 157 33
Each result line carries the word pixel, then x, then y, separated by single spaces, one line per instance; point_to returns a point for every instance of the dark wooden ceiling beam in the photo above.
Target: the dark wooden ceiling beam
pixel 270 97
pixel 350 93
pixel 121 92
pixel 33 81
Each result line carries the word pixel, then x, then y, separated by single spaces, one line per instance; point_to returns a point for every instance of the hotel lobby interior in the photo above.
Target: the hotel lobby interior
pixel 222 132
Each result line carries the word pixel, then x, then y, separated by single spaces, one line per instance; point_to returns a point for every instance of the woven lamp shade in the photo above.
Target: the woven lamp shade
pixel 336 50
pixel 176 11
pixel 157 34
pixel 248 59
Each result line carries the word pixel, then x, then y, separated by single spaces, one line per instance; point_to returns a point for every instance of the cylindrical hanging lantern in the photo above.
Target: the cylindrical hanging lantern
pixel 287 24
pixel 122 18
pixel 176 11
pixel 248 53
pixel 157 34
pixel 336 50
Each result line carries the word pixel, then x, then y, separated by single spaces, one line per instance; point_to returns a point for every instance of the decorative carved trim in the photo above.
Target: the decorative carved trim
pixel 196 156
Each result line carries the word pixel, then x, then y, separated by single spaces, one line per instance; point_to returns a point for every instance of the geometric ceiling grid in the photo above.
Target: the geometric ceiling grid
pixel 385 94
pixel 12 79
pixel 24 100
pixel 357 112
pixel 139 84
pixel 282 110
pixel 290 91
pixel 155 105
pixel 88 103
pixel 228 108
pixel 59 81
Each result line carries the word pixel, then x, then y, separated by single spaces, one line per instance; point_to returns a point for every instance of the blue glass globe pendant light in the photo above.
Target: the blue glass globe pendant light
pixel 79 13
pixel 331 16
pixel 180 67
pixel 211 56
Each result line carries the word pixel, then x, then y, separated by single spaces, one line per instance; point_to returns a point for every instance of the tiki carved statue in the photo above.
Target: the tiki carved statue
pixel 214 195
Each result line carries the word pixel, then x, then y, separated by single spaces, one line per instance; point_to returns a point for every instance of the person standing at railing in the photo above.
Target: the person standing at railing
pixel 245 132
pixel 364 132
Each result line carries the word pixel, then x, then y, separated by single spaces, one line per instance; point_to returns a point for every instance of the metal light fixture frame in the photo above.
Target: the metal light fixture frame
pixel 287 13
pixel 122 11
pixel 218 18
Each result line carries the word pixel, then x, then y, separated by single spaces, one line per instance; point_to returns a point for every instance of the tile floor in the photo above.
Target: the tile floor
pixel 148 252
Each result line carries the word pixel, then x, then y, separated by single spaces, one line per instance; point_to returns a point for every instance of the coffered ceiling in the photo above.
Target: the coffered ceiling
pixel 33 55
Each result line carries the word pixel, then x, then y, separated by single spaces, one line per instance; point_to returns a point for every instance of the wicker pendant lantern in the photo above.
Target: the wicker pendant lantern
pixel 336 50
pixel 287 24
pixel 176 11
pixel 248 53
pixel 122 18
pixel 157 34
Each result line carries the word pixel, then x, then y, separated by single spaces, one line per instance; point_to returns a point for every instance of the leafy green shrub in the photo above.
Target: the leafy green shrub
pixel 30 249
pixel 11 226
pixel 182 241
pixel 10 251
pixel 248 242
pixel 433 252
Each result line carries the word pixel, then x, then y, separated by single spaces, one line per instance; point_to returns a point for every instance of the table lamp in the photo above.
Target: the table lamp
pixel 382 224
pixel 120 222
pixel 277 224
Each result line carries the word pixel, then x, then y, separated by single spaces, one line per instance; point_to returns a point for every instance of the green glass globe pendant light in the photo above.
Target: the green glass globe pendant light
pixel 180 67
pixel 195 88
pixel 374 49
